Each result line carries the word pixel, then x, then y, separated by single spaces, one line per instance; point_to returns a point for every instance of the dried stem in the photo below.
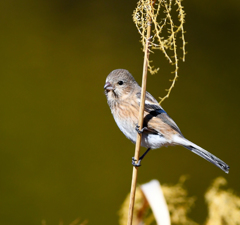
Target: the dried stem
pixel 140 123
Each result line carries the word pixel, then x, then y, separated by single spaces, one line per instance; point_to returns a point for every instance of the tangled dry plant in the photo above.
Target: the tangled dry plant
pixel 223 205
pixel 75 222
pixel 179 205
pixel 164 31
pixel 141 208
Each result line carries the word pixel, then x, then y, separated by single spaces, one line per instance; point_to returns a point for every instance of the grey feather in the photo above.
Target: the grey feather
pixel 209 157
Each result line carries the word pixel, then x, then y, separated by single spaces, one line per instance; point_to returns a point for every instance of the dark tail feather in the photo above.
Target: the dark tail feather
pixel 208 156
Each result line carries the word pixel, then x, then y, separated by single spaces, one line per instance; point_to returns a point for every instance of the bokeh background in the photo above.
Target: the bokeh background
pixel 61 154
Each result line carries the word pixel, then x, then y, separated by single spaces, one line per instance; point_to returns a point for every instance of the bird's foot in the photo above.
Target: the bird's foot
pixel 134 162
pixel 140 131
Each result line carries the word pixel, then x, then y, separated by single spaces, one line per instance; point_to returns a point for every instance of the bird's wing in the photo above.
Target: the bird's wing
pixel 155 116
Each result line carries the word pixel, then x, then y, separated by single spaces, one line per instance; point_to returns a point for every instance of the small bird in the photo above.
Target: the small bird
pixel 123 96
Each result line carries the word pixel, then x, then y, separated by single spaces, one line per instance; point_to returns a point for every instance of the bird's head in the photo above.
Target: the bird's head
pixel 119 85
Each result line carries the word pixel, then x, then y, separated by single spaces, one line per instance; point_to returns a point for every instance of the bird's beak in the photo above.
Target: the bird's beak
pixel 108 86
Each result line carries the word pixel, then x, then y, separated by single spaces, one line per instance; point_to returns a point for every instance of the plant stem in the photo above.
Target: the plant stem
pixel 140 124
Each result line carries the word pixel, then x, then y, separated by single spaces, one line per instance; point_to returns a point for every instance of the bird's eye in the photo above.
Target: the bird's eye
pixel 120 82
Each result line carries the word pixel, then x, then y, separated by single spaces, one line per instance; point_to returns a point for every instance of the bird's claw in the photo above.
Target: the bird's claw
pixel 136 164
pixel 138 130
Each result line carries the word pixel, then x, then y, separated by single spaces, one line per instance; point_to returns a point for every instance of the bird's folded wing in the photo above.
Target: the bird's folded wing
pixel 155 117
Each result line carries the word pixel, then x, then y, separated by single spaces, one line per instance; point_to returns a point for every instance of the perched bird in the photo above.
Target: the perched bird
pixel 123 96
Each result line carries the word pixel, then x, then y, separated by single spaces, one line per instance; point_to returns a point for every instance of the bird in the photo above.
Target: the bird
pixel 123 97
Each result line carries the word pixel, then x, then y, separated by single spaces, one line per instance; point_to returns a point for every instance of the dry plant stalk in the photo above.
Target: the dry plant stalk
pixel 140 118
pixel 161 25
pixel 140 124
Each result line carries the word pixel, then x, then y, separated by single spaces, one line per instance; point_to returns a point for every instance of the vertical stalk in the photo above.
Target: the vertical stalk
pixel 140 124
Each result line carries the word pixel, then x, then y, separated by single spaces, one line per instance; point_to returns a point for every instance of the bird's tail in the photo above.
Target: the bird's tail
pixel 203 153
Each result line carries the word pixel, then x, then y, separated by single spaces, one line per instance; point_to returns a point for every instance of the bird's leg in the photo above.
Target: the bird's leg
pixel 140 159
pixel 140 131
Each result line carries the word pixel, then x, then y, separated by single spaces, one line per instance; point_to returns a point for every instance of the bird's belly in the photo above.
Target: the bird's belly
pixel 154 141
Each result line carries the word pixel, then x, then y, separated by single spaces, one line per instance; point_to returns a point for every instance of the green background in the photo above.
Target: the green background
pixel 61 154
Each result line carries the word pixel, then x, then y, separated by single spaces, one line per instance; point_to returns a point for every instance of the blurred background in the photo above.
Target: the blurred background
pixel 61 154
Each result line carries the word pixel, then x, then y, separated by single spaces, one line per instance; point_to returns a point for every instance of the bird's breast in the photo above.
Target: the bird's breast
pixel 125 115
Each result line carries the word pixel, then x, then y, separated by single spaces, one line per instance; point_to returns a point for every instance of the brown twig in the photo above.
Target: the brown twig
pixel 140 124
